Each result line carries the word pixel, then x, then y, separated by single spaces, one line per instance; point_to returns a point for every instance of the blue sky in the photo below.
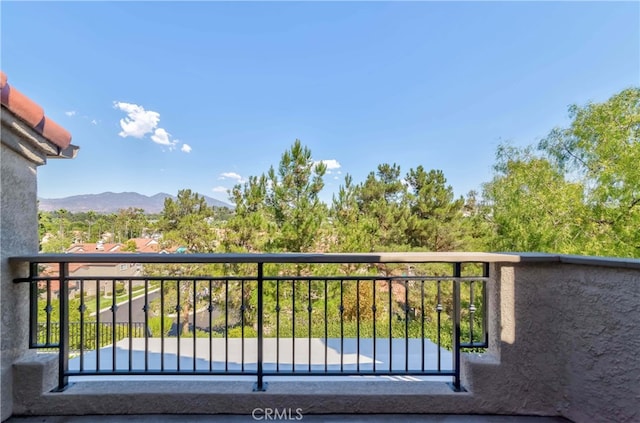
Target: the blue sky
pixel 201 95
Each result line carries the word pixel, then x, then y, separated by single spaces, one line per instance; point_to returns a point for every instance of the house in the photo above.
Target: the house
pixel 85 271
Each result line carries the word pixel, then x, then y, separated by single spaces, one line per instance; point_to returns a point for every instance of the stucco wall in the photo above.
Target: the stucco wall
pixel 564 342
pixel 523 371
pixel 18 235
pixel 599 311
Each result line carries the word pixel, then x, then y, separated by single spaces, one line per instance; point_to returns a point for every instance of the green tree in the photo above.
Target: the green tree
pixel 477 217
pixel 248 229
pixel 601 149
pixel 91 220
pixel 382 197
pixel 130 246
pixel 293 200
pixel 353 230
pixel 532 206
pixel 185 221
pixel 129 223
pixel 55 226
pixel 436 221
pixel 45 224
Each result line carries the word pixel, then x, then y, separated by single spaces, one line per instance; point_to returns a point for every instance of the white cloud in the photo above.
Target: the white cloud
pixel 160 136
pixel 70 113
pixel 231 175
pixel 331 164
pixel 94 122
pixel 219 189
pixel 139 122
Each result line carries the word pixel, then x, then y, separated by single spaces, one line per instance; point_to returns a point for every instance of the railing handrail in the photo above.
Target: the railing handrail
pixel 291 258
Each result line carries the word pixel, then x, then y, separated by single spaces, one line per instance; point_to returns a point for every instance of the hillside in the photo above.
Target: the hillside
pixel 110 202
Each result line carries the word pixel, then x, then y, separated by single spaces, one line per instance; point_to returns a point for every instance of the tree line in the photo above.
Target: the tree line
pixel 577 192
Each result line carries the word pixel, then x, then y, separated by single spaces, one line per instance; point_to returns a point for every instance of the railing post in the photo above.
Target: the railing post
pixel 457 271
pixel 485 304
pixel 63 341
pixel 33 305
pixel 260 385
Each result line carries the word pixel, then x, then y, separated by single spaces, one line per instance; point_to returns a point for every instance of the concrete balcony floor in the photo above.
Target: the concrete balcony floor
pixel 315 418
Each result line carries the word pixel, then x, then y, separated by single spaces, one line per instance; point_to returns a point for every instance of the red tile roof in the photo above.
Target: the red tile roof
pixel 94 248
pixel 32 114
pixel 146 245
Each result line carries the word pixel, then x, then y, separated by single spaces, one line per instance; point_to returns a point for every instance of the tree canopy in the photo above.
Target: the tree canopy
pixel 577 191
pixel 580 193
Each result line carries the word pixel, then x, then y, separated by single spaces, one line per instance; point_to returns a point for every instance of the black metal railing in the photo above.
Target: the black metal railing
pixel 261 315
pixel 84 334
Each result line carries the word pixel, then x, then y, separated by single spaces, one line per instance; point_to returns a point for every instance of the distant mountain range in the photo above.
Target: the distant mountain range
pixel 110 202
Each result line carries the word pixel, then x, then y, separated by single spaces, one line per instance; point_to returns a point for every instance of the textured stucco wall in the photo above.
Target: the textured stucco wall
pixel 18 235
pixel 523 371
pixel 599 311
pixel 566 344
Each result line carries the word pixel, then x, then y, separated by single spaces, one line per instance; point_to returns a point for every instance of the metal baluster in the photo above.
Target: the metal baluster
pixel 277 325
pixel 439 314
pixel 472 310
pixel 82 309
pixel 178 309
pixel 485 303
pixel 358 325
pixel 309 308
pixel 406 326
pixel 194 309
pixel 34 333
pixel 114 309
pixel 63 342
pixel 162 325
pixel 98 324
pixel 326 327
pixel 260 386
pixel 242 308
pixel 293 325
pixel 390 325
pixel 422 320
pixel 342 325
pixel 145 309
pixel 456 326
pixel 130 324
pixel 210 309
pixel 373 309
pixel 226 325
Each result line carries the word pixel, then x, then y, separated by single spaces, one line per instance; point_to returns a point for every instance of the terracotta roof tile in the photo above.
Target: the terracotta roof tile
pixel 33 114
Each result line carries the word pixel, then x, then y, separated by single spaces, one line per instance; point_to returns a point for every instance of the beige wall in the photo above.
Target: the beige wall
pixel 104 271
pixel 565 341
pixel 18 235
pixel 22 150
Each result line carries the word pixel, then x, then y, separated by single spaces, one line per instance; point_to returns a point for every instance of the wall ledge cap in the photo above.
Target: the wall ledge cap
pixel 619 262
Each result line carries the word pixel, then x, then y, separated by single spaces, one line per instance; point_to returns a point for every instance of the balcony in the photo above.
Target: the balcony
pixel 516 334
pixel 339 333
